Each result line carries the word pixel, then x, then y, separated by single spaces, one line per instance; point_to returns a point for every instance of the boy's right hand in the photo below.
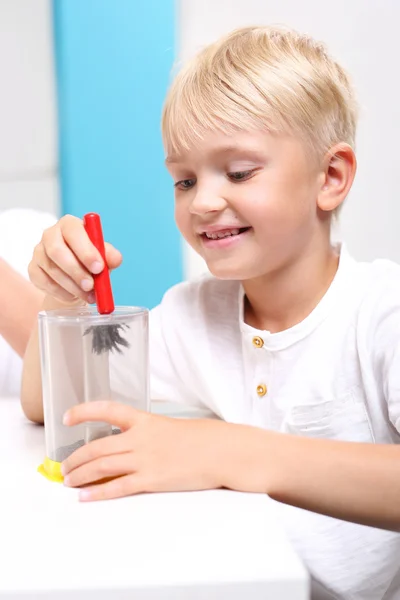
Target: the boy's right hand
pixel 65 259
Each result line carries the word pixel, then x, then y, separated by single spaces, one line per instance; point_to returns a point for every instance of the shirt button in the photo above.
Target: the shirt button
pixel 258 342
pixel 261 390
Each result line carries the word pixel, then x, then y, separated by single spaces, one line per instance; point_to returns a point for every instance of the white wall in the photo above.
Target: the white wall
pixel 364 36
pixel 28 137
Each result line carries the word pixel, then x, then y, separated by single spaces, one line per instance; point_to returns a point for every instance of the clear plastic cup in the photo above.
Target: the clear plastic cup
pixel 85 357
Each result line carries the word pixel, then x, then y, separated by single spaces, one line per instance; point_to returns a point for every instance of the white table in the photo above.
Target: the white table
pixel 205 546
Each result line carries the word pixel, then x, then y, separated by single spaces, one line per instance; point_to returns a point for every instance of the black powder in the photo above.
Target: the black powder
pixel 63 452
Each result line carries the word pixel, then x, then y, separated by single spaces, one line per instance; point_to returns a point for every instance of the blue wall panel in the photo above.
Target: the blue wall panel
pixel 113 63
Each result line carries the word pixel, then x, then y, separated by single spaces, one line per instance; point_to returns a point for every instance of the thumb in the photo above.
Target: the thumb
pixel 113 256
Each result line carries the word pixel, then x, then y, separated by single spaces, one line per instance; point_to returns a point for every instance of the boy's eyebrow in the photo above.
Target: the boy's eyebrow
pixel 221 150
pixel 232 149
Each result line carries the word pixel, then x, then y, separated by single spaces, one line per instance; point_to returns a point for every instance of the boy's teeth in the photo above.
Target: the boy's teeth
pixel 222 234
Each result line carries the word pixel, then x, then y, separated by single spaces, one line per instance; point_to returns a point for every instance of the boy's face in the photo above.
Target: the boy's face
pixel 247 203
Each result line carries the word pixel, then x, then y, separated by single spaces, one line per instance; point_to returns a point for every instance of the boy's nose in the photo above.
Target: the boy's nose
pixel 205 202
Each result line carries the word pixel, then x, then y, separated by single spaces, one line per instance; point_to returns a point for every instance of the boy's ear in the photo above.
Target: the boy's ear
pixel 338 171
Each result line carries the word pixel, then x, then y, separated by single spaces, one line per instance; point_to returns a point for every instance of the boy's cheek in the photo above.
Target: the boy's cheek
pixel 186 228
pixel 182 219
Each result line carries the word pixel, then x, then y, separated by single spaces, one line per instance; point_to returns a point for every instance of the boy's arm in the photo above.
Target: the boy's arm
pixel 31 386
pixel 346 480
pixel 20 302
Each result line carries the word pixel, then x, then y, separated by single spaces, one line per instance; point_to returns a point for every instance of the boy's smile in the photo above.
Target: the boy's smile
pixel 222 236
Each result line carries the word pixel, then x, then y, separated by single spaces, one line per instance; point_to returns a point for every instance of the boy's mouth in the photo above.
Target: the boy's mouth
pixel 224 233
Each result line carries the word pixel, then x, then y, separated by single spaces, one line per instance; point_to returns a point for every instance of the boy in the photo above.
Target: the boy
pixel 290 342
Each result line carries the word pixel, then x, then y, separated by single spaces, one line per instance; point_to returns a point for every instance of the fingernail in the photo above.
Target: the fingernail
pixel 86 285
pixel 66 418
pixel 84 495
pixel 62 469
pixel 96 267
pixel 67 480
pixel 91 298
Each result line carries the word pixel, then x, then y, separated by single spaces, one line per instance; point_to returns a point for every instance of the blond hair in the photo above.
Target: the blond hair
pixel 261 78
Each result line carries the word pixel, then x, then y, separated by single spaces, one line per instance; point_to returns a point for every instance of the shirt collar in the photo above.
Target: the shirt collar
pixel 288 337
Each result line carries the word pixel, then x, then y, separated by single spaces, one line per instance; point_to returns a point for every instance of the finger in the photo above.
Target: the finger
pixel 113 256
pixel 115 413
pixel 101 468
pixel 77 239
pixel 112 444
pixel 42 281
pixel 127 485
pixel 72 229
pixel 48 285
pixel 57 275
pixel 54 253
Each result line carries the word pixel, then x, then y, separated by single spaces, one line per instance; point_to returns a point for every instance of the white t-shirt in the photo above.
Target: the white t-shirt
pixel 335 375
pixel 20 231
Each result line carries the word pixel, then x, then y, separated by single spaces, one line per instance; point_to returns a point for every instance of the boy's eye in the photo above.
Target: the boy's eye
pixel 185 184
pixel 240 175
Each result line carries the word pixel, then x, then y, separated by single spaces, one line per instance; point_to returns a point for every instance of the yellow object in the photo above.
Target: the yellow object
pixel 258 342
pixel 51 470
pixel 261 389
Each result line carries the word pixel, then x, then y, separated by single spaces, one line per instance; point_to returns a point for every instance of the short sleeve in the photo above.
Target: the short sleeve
pixel 165 381
pixel 20 230
pixel 186 331
pixel 168 357
pixel 10 371
pixel 388 362
pixel 384 342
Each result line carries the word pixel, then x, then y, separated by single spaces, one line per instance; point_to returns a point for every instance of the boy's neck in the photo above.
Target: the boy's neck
pixel 285 298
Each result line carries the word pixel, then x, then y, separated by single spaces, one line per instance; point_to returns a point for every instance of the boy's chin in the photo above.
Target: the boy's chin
pixel 229 272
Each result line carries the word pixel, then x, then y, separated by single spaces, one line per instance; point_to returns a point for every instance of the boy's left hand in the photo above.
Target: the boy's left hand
pixel 151 454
